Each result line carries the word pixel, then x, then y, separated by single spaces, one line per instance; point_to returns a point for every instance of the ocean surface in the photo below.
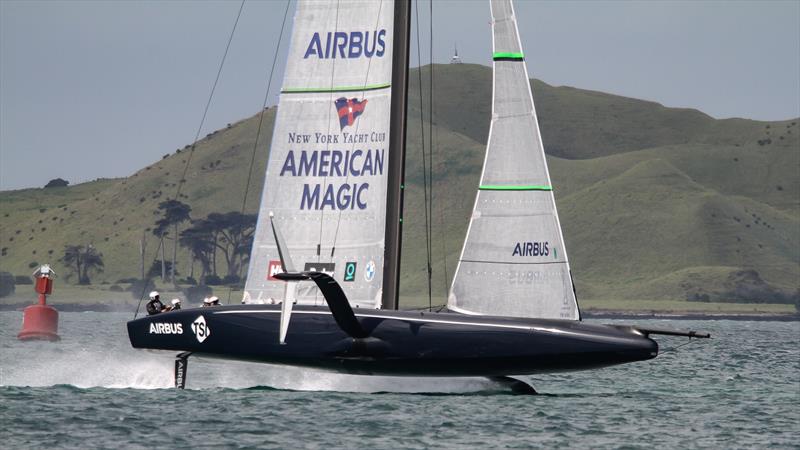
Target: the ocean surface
pixel 740 389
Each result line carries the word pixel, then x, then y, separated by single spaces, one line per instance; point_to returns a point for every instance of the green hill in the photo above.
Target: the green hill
pixel 656 203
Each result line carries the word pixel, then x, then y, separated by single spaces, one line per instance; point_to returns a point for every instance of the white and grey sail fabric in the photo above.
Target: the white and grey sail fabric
pixel 513 262
pixel 326 175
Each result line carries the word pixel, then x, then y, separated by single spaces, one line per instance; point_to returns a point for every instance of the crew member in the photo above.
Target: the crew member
pixel 175 305
pixel 154 306
pixel 211 301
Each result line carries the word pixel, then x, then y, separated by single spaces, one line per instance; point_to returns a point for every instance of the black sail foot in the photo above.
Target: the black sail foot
pixel 517 386
pixel 181 368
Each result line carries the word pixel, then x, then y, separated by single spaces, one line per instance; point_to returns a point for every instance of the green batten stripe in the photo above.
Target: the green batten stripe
pixel 494 187
pixel 508 56
pixel 372 87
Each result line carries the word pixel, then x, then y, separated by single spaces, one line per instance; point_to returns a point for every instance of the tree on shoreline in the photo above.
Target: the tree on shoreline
pixel 82 260
pixel 230 233
pixel 174 213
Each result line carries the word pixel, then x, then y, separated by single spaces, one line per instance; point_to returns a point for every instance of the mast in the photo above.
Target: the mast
pixel 397 155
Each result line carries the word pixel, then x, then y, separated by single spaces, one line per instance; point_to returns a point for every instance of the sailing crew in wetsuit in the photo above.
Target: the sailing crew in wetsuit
pixel 154 306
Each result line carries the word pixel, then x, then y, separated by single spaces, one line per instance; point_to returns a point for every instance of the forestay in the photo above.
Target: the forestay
pixel 327 168
pixel 513 262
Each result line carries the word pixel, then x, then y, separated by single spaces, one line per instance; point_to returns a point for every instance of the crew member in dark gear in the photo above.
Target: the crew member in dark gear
pixel 154 306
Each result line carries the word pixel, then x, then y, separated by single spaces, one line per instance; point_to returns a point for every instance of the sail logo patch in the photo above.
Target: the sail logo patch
pixel 531 249
pixel 349 110
pixel 273 269
pixel 350 271
pixel 369 271
pixel 335 163
pixel 326 268
pixel 201 329
pixel 166 328
pixel 343 45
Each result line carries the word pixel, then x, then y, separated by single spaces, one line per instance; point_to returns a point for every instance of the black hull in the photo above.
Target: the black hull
pixel 401 342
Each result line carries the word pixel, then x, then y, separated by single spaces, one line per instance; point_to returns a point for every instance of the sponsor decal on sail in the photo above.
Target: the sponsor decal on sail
pixel 350 271
pixel 351 165
pixel 165 328
pixel 326 268
pixel 369 271
pixel 273 269
pixel 349 110
pixel 531 249
pixel 343 45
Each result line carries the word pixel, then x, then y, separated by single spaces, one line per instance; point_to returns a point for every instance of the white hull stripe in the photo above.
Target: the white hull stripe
pixel 408 319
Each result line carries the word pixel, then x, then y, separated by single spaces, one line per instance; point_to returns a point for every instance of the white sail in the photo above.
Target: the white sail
pixel 326 175
pixel 513 262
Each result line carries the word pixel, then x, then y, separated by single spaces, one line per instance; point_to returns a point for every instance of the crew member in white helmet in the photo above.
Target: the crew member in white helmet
pixel 211 301
pixel 175 305
pixel 154 306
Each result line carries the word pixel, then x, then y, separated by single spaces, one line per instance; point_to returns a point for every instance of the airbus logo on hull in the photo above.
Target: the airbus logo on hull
pixel 165 328
pixel 339 44
pixel 531 249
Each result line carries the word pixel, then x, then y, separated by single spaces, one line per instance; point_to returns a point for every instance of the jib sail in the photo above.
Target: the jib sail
pixel 513 262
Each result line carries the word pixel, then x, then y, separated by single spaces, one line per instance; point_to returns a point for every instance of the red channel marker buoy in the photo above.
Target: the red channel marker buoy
pixel 40 321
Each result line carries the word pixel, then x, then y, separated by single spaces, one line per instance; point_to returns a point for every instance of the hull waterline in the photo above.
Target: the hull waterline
pixel 400 343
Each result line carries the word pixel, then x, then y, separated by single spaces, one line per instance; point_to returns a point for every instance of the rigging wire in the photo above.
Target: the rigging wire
pixel 255 143
pixel 424 161
pixel 434 136
pixel 430 153
pixel 357 125
pixel 327 147
pixel 182 180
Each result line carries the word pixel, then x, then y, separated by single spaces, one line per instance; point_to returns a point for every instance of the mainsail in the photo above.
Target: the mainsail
pixel 513 262
pixel 326 180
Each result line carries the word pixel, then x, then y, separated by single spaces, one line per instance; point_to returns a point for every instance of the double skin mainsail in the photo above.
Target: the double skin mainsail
pixel 326 180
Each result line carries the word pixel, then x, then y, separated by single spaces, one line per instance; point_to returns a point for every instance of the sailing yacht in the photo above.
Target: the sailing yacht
pixel 322 285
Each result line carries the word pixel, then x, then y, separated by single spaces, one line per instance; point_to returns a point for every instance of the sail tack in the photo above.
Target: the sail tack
pixel 513 262
pixel 327 170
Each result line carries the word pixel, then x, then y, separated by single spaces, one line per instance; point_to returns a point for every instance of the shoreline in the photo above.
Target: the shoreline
pixel 587 314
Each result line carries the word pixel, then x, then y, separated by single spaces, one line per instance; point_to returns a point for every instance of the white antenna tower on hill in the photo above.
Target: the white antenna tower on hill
pixel 455 59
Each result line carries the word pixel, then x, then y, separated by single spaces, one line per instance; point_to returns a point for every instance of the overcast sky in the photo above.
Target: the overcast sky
pixel 94 89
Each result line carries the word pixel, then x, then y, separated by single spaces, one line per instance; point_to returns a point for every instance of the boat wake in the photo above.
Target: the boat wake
pixel 127 369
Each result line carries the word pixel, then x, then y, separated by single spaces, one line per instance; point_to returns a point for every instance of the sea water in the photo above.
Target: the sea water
pixel 741 389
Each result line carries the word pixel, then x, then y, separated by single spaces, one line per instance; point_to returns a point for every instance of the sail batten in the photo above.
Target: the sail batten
pixel 513 262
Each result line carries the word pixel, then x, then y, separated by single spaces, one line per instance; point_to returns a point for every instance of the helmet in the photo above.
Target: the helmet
pixel 176 301
pixel 214 300
pixel 153 295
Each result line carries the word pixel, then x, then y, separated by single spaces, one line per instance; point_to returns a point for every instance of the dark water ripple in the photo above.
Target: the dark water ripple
pixel 738 390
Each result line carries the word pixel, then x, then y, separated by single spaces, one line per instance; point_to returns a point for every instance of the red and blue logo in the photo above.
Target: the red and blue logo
pixel 349 110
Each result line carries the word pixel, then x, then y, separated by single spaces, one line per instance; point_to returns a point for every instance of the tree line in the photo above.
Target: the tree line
pixel 226 235
pixel 211 240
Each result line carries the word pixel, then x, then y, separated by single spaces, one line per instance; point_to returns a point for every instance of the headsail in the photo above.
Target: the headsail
pixel 326 178
pixel 513 262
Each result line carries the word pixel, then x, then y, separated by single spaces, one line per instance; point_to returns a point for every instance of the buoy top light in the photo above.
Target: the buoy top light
pixel 44 271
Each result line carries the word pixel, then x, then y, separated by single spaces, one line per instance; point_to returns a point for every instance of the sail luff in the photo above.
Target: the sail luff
pixel 513 262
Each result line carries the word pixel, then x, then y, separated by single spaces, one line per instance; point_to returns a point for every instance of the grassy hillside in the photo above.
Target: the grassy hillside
pixel 657 203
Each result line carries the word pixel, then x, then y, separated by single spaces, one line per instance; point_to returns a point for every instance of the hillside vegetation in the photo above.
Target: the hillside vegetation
pixel 657 203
